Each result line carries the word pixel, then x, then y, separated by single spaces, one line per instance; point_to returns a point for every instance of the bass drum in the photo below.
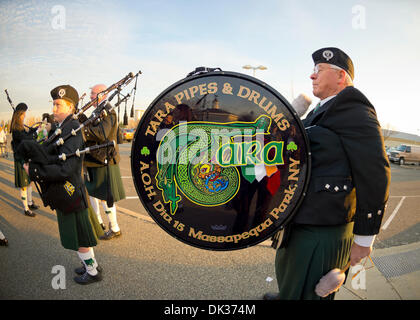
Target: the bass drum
pixel 220 161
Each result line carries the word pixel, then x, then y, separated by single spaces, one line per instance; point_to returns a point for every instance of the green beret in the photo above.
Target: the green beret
pixel 336 57
pixel 65 92
pixel 21 107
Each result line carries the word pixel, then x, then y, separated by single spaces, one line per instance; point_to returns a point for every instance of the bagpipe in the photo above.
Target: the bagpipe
pixel 65 195
pixel 102 109
pixel 116 86
pixel 10 100
pixel 29 152
pixel 46 153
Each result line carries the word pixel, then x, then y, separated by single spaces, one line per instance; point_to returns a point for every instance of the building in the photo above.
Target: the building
pixel 395 138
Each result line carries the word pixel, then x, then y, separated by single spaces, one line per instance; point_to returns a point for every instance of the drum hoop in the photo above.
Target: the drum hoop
pixel 272 91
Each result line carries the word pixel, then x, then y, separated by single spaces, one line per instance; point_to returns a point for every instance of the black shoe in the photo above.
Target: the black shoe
pixel 4 242
pixel 110 235
pixel 271 296
pixel 81 270
pixel 86 278
pixel 29 213
pixel 33 206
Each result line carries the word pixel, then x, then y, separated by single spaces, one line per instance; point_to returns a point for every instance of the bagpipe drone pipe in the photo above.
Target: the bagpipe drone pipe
pixel 79 114
pixel 47 153
pixel 62 195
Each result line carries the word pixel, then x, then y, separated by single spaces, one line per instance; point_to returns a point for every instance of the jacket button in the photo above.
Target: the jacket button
pixel 345 187
pixel 379 212
pixel 336 188
pixel 327 186
pixel 369 215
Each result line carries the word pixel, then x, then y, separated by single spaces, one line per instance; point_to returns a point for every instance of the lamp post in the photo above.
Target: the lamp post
pixel 254 68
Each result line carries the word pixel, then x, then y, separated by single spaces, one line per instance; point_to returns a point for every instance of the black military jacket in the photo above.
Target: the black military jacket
pixel 350 173
pixel 19 135
pixel 62 171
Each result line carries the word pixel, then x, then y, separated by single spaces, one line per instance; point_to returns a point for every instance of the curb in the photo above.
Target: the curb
pixel 378 283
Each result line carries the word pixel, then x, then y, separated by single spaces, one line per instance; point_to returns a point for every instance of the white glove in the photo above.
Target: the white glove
pixel 301 104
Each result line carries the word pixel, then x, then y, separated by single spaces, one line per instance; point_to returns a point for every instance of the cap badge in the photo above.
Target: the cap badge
pixel 327 54
pixel 62 93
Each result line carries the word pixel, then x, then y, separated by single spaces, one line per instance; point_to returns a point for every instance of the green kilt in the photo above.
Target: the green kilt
pixel 97 185
pixel 311 252
pixel 21 177
pixel 76 230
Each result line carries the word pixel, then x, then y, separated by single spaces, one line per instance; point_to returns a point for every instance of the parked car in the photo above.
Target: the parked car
pixel 389 150
pixel 405 153
pixel 128 134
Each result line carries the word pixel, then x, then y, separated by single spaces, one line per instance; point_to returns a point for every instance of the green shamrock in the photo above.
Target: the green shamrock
pixel 145 151
pixel 292 146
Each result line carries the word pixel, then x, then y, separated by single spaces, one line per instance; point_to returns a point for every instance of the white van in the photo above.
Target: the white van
pixel 405 153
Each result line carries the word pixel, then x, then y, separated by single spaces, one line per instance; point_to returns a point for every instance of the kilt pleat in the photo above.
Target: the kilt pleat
pixel 98 183
pixel 76 230
pixel 21 177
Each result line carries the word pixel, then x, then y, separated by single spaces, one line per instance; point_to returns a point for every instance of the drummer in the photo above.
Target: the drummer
pixel 348 190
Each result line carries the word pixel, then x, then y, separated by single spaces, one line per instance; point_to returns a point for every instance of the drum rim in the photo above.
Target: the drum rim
pixel 288 106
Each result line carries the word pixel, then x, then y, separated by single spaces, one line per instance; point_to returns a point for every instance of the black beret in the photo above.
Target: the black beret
pixel 336 57
pixel 21 107
pixel 65 92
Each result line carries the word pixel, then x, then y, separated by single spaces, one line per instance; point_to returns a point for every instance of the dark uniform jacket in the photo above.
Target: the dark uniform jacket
pixel 106 130
pixel 350 173
pixel 62 171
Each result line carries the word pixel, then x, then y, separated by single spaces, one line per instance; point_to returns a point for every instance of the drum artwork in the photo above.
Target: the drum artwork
pixel 220 160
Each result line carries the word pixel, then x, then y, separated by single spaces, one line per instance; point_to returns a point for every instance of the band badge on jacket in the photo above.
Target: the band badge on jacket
pixel 69 188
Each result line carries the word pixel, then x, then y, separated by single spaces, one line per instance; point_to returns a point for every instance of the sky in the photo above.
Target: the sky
pixel 44 44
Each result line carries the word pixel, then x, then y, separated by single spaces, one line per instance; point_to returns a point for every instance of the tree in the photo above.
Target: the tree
pixel 388 131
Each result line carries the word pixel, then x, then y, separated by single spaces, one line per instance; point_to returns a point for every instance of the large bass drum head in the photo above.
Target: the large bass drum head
pixel 220 161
